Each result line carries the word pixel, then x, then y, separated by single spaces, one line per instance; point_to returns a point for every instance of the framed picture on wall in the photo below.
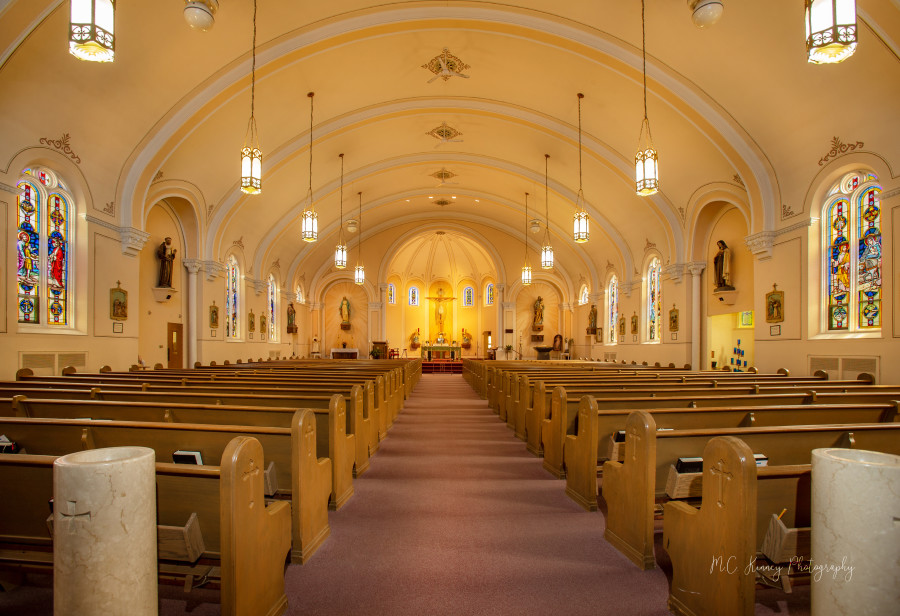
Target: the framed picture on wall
pixel 774 305
pixel 118 303
pixel 599 336
pixel 213 315
pixel 673 319
pixel 251 322
pixel 634 323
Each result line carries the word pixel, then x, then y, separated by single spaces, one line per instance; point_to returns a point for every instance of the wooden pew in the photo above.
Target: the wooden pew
pixel 713 549
pixel 248 543
pixel 630 487
pixel 358 423
pixel 295 470
pixel 586 450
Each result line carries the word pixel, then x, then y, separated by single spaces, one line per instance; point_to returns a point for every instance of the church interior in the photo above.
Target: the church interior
pixel 213 182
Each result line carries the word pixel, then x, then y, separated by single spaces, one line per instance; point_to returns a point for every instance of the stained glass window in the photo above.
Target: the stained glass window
pixel 468 296
pixel 232 296
pixel 273 310
pixel 852 218
pixel 613 308
pixel 43 246
pixel 391 294
pixel 489 295
pixel 585 295
pixel 654 302
pixel 299 294
pixel 413 296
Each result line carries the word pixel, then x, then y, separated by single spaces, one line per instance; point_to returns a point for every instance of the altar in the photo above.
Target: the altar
pixel 344 353
pixel 441 351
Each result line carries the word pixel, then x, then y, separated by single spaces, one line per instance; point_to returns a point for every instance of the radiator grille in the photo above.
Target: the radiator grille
pixel 51 364
pixel 845 368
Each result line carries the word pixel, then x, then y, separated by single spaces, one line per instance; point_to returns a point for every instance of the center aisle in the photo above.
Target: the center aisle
pixel 454 516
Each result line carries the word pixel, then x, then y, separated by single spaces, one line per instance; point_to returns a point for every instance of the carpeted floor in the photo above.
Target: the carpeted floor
pixel 453 517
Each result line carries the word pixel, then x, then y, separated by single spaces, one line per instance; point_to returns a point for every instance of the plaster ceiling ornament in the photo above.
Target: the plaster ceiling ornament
pixel 445 133
pixel 62 144
pixel 445 65
pixel 839 148
pixel 443 175
pixel 442 201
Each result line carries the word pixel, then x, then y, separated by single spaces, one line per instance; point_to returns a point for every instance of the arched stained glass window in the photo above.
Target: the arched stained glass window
pixel 468 296
pixel 413 296
pixel 613 308
pixel 489 295
pixel 391 294
pixel 43 249
pixel 273 309
pixel 232 298
pixel 852 218
pixel 654 302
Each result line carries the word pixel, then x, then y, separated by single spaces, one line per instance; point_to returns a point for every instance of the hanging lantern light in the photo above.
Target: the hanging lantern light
pixel 546 249
pixel 526 269
pixel 359 274
pixel 340 252
pixel 646 161
pixel 251 156
pixel 830 30
pixel 92 30
pixel 581 228
pixel 309 221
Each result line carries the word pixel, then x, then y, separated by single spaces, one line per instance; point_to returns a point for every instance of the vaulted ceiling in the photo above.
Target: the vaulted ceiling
pixel 737 114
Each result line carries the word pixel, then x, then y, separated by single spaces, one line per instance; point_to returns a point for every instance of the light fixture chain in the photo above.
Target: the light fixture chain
pixel 526 229
pixel 359 239
pixel 341 228
pixel 644 53
pixel 547 196
pixel 253 66
pixel 311 101
pixel 580 96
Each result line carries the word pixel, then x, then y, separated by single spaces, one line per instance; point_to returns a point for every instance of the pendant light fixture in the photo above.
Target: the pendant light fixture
pixel 92 34
pixel 340 252
pixel 546 249
pixel 251 156
pixel 830 30
pixel 359 275
pixel 526 269
pixel 581 229
pixel 309 223
pixel 646 161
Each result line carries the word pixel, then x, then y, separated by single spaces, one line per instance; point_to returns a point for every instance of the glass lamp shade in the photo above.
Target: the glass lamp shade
pixel 340 256
pixel 92 30
pixel 201 14
pixel 830 30
pixel 547 256
pixel 359 275
pixel 705 13
pixel 646 171
pixel 526 275
pixel 251 170
pixel 581 228
pixel 309 226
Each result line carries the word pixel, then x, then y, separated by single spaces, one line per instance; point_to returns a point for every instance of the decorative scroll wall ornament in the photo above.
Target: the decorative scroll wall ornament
pixel 737 179
pixel 681 212
pixel 760 244
pixel 158 176
pixel 839 148
pixel 786 211
pixel 609 266
pixel 277 263
pixel 110 208
pixel 239 242
pixel 214 269
pixel 62 144
pixel 650 245
pixel 209 209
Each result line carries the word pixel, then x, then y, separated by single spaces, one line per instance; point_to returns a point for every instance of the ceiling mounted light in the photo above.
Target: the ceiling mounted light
pixel 92 30
pixel 251 156
pixel 340 251
pixel 646 161
pixel 359 274
pixel 581 229
pixel 705 13
pixel 830 30
pixel 546 249
pixel 309 222
pixel 526 269
pixel 200 14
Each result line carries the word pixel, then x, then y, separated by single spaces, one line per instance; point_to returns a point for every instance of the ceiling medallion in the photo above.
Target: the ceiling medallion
pixel 442 202
pixel 445 65
pixel 444 132
pixel 440 233
pixel 443 175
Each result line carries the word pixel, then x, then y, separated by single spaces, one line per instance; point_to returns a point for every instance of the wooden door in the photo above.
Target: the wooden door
pixel 174 345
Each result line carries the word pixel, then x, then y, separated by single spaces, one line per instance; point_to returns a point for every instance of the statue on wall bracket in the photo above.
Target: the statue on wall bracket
pixel 344 309
pixel 722 267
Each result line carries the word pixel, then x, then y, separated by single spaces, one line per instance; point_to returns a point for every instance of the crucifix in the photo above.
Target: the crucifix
pixel 719 470
pixel 439 310
pixel 635 439
pixel 71 516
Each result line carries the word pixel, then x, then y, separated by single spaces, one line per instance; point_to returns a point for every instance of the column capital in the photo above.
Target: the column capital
pixel 213 269
pixel 760 244
pixel 696 267
pixel 674 271
pixel 192 265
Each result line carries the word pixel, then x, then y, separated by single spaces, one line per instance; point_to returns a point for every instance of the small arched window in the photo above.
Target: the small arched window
pixel 273 309
pixel 654 302
pixel 851 218
pixel 299 294
pixel 468 296
pixel 413 296
pixel 585 295
pixel 613 293
pixel 391 294
pixel 489 294
pixel 232 298
pixel 44 235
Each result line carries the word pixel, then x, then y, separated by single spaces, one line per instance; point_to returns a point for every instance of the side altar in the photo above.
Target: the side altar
pixel 441 351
